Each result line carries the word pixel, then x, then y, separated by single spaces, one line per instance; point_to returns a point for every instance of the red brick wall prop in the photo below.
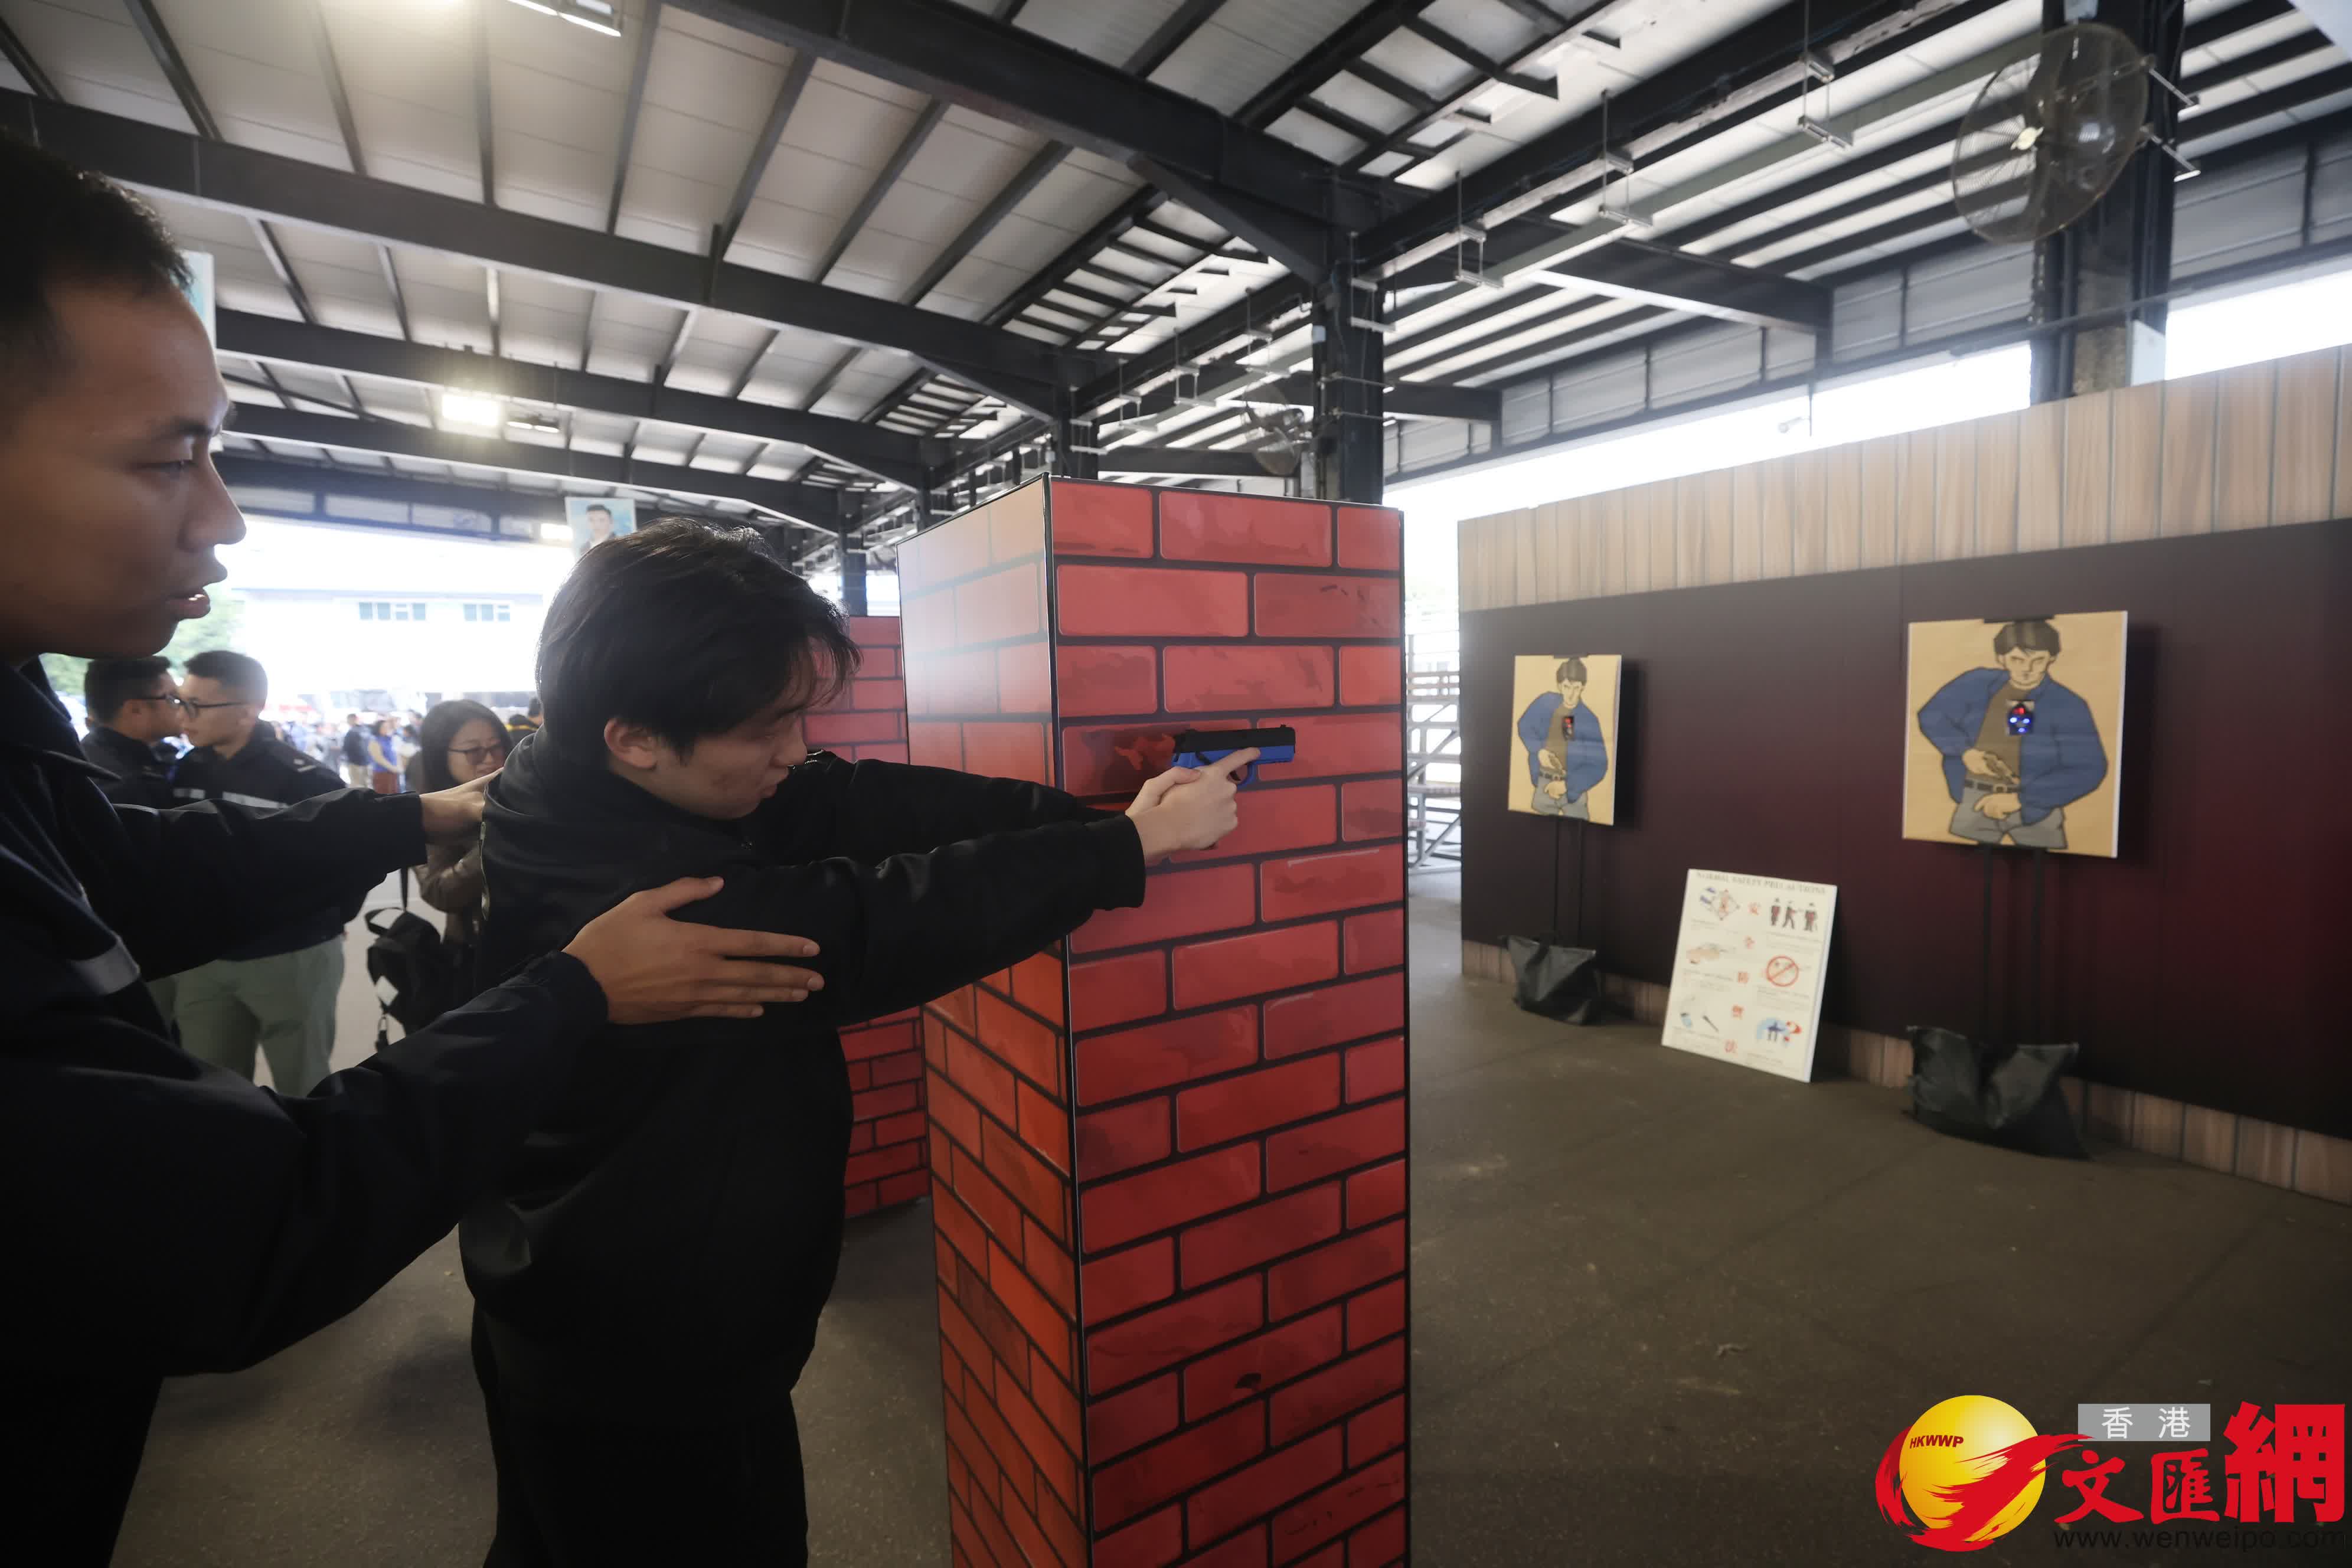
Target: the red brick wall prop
pixel 1171 1196
pixel 888 1138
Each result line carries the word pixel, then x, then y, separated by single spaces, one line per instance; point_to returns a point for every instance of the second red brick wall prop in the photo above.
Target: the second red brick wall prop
pixel 887 1136
pixel 1171 1157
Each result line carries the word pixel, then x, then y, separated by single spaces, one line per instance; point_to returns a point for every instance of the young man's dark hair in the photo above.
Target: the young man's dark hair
pixel 66 226
pixel 686 631
pixel 2034 636
pixel 1569 669
pixel 108 683
pixel 649 1273
pixel 240 673
pixel 536 709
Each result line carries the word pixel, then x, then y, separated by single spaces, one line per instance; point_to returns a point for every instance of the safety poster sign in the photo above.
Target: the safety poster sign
pixel 1747 970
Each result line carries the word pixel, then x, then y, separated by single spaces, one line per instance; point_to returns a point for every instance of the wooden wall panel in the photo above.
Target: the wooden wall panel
pixel 2302 452
pixel 1716 490
pixel 1778 530
pixel 1690 530
pixel 1997 457
pixel 2040 476
pixel 2343 507
pixel 2272 443
pixel 1809 474
pixel 1747 521
pixel 1954 534
pixel 2137 450
pixel 2185 492
pixel 2241 445
pixel 1841 506
pixel 1881 493
pixel 1914 508
pixel 2083 514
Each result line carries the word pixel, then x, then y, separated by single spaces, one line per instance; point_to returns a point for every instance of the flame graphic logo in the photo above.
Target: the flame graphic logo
pixel 1965 1473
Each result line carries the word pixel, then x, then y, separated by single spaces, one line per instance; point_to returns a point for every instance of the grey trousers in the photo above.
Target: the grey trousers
pixel 1573 807
pixel 1969 823
pixel 285 1004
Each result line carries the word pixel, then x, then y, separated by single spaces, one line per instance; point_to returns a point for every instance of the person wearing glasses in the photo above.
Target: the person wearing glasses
pixel 458 742
pixel 276 989
pixel 134 708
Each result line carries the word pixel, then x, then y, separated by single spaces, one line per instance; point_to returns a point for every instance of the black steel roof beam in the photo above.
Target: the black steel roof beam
pixel 2236 19
pixel 1018 77
pixel 1493 70
pixel 879 187
pixel 365 353
pixel 755 167
pixel 1197 460
pixel 175 70
pixel 391 438
pixel 1395 87
pixel 13 49
pixel 1702 285
pixel 249 470
pixel 247 180
pixel 485 127
pixel 1346 124
pixel 646 31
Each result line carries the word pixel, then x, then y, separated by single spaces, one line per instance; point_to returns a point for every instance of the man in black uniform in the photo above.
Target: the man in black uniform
pixel 354 751
pixel 164 1216
pixel 648 1273
pixel 276 989
pixel 133 707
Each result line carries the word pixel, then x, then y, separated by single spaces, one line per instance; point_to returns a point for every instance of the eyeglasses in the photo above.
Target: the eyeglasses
pixel 202 707
pixel 478 755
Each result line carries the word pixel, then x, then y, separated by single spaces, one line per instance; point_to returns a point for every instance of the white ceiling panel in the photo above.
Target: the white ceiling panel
pixel 97 59
pixel 408 71
pixel 1248 43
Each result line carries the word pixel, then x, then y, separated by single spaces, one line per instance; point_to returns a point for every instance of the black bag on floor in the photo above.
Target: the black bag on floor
pixel 1556 982
pixel 2004 1095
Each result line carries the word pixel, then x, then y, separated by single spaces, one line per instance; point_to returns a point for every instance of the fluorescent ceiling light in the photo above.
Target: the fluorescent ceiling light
pixel 555 533
pixel 597 16
pixel 475 408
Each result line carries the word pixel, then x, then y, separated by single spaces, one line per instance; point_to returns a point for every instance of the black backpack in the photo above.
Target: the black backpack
pixel 426 975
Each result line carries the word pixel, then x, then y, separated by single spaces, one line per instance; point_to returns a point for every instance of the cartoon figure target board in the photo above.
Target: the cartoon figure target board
pixel 1564 736
pixel 2015 733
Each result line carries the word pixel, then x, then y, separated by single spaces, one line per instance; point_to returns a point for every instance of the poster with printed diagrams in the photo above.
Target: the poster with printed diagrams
pixel 1748 971
pixel 2014 732
pixel 1564 735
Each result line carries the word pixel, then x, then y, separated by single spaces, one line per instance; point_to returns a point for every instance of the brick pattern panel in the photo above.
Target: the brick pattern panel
pixel 1170 1161
pixel 886 1137
pixel 979 680
pixel 1238 1042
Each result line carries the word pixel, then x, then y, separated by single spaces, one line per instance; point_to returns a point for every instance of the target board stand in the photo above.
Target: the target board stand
pixel 1748 971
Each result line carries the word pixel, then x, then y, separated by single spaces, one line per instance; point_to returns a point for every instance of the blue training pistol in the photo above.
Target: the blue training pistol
pixel 1198 748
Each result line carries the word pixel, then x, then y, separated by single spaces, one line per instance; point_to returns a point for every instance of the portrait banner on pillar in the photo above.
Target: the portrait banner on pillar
pixel 1747 970
pixel 2013 732
pixel 1564 711
pixel 595 519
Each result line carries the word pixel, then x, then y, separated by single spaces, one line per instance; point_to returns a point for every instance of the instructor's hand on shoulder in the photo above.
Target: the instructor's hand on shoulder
pixel 654 968
pixel 1189 808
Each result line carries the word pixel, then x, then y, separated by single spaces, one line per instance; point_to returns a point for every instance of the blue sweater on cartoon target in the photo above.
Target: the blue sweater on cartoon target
pixel 2059 759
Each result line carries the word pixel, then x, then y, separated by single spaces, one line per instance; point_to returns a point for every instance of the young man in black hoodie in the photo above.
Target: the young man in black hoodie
pixel 649 1273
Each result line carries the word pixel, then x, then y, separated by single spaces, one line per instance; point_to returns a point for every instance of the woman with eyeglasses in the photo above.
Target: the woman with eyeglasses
pixel 458 742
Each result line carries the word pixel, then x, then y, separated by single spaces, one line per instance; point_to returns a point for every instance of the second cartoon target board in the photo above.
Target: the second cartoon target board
pixel 1564 736
pixel 1747 970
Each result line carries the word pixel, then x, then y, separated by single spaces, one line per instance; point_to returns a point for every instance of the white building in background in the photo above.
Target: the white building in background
pixel 373 618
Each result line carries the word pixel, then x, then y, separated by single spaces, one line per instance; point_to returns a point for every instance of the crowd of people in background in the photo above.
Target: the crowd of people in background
pixel 213 734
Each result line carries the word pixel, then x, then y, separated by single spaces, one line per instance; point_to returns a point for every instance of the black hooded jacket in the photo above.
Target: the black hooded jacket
pixel 670 1231
pixel 164 1215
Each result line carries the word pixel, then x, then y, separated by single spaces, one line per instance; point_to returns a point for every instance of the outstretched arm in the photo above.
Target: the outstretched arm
pixel 870 810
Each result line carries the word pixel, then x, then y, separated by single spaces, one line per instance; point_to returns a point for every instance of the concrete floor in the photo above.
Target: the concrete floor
pixel 1665 1311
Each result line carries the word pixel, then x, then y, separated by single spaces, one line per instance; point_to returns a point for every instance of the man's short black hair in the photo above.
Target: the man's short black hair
pixel 66 226
pixel 2034 636
pixel 599 506
pixel 687 630
pixel 108 683
pixel 534 711
pixel 240 674
pixel 1569 669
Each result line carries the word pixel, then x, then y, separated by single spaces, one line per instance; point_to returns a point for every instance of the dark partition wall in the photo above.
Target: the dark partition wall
pixel 1763 731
